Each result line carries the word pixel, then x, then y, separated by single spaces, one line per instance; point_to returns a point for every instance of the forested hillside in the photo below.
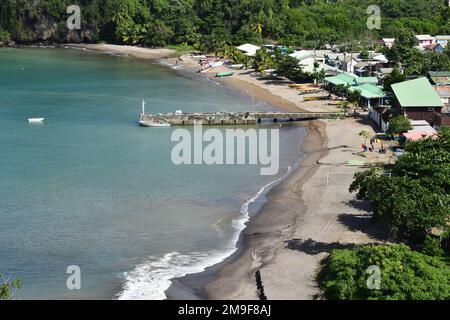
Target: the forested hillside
pixel 162 22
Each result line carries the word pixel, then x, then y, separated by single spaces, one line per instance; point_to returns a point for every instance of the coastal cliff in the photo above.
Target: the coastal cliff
pixel 44 21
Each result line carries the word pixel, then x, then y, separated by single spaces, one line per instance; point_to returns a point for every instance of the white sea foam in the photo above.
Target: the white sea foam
pixel 150 280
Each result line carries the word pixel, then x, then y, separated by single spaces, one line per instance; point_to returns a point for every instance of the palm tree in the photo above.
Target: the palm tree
pixel 134 33
pixel 262 61
pixel 257 29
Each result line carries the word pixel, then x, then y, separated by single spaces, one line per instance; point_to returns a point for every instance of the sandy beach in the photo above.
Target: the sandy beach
pixel 136 52
pixel 307 215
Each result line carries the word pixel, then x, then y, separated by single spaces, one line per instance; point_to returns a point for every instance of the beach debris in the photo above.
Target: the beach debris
pixel 259 286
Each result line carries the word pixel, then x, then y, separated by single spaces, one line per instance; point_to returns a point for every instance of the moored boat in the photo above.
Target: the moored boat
pixel 36 120
pixel 144 123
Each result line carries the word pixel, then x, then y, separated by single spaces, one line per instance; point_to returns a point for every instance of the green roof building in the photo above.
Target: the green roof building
pixel 371 94
pixel 369 91
pixel 341 79
pixel 350 79
pixel 417 99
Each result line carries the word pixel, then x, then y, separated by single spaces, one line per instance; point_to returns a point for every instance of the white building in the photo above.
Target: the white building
pixel 388 42
pixel 423 40
pixel 248 49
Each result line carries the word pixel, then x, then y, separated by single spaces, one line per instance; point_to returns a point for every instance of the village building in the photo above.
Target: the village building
pixel 423 40
pixel 436 47
pixel 382 72
pixel 417 99
pixel 441 82
pixel 442 40
pixel 372 95
pixel 420 129
pixel 305 54
pixel 248 49
pixel 388 42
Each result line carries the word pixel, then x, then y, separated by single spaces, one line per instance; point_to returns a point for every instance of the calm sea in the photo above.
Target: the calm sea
pixel 91 188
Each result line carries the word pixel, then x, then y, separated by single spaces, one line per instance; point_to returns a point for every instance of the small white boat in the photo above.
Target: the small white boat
pixel 236 66
pixel 154 124
pixel 216 64
pixel 36 120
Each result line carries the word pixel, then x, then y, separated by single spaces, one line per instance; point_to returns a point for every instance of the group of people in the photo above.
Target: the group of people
pixel 374 141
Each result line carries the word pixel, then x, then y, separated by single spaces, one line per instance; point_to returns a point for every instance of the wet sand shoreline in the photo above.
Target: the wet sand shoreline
pixel 299 209
pixel 303 217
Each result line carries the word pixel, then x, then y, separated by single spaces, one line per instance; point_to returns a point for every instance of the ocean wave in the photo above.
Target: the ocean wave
pixel 170 65
pixel 150 280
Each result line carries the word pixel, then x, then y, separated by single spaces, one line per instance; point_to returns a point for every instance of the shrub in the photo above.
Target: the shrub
pixel 404 274
pixel 432 247
pixel 4 36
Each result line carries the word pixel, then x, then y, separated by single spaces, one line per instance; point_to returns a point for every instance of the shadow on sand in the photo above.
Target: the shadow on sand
pixel 363 223
pixel 313 247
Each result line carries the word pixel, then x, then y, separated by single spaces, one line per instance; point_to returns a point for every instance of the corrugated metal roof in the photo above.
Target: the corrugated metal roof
pixel 443 91
pixel 440 77
pixel 362 80
pixel 416 93
pixel 343 78
pixel 369 91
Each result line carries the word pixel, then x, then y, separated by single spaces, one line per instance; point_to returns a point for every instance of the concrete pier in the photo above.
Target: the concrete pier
pixel 238 118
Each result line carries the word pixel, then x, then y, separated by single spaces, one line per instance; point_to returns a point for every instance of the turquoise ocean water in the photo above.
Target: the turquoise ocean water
pixel 91 188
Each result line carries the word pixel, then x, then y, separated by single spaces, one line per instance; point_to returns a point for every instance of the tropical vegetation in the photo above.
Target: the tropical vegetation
pixel 307 23
pixel 403 274
pixel 7 287
pixel 412 196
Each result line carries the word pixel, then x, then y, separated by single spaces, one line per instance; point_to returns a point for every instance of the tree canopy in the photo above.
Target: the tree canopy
pixel 414 198
pixel 157 22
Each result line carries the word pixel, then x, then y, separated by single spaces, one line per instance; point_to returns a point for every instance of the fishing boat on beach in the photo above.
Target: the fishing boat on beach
pixel 224 74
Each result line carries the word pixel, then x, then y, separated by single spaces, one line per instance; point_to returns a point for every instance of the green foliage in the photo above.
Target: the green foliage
pixel 395 77
pixel 405 274
pixel 364 55
pixel 181 48
pixel 432 247
pixel 399 124
pixel 428 160
pixel 263 61
pixel 340 90
pixel 353 97
pixel 292 22
pixel 7 287
pixel 416 198
pixel 290 68
pixel 4 36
